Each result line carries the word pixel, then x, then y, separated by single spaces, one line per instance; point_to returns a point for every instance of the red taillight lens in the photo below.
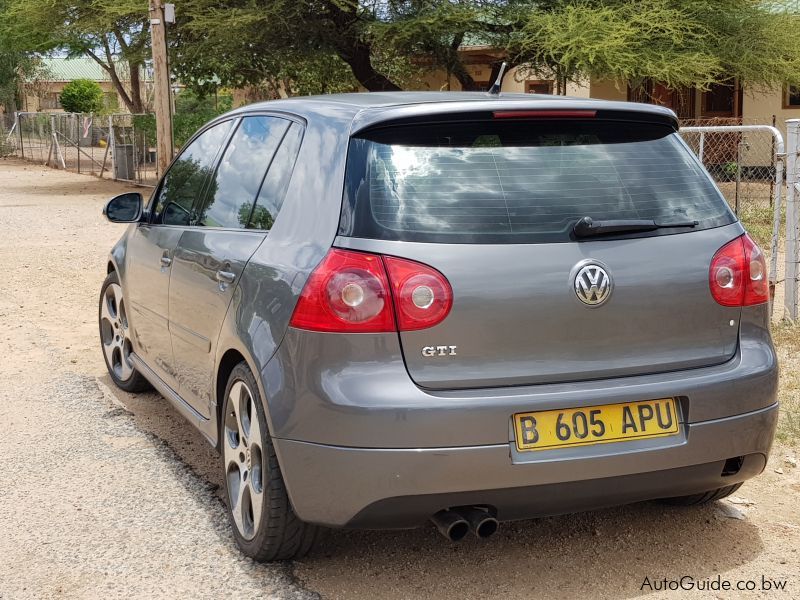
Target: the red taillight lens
pixel 422 295
pixel 347 292
pixel 738 274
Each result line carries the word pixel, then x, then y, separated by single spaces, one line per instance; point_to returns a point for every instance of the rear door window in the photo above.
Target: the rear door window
pixel 522 181
pixel 232 191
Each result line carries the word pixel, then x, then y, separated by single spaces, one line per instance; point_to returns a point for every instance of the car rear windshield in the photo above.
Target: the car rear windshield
pixel 522 181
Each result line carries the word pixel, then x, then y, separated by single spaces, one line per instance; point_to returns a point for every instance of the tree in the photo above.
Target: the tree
pixel 384 42
pixel 246 43
pixel 676 42
pixel 82 96
pixel 113 33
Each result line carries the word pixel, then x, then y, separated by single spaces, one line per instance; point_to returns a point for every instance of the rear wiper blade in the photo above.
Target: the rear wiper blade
pixel 586 227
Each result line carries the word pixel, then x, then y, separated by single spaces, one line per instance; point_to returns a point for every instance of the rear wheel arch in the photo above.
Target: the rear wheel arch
pixel 225 366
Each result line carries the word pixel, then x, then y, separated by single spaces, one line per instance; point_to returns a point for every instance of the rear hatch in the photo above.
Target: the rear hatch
pixel 492 204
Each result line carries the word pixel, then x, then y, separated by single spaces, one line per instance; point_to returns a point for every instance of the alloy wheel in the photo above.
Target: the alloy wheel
pixel 243 459
pixel 115 333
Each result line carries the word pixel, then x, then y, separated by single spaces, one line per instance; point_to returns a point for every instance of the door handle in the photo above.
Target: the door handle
pixel 225 276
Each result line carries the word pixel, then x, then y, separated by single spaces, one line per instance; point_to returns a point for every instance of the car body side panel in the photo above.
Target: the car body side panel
pixel 304 230
pixel 198 302
pixel 147 282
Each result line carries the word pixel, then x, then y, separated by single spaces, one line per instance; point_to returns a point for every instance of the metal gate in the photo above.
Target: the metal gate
pixel 748 164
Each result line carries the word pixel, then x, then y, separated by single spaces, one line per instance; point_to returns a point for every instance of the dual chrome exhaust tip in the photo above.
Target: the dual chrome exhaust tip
pixel 456 523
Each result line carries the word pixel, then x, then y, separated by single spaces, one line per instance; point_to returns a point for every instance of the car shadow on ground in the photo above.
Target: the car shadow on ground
pixel 605 553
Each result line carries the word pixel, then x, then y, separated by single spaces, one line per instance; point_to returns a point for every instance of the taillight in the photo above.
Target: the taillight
pixel 347 292
pixel 422 295
pixel 545 114
pixel 738 274
pixel 350 292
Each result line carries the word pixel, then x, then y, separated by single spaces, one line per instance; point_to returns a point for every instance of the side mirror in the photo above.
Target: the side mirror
pixel 125 208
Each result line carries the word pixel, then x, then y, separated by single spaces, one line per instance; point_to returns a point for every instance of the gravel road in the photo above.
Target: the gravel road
pixel 105 494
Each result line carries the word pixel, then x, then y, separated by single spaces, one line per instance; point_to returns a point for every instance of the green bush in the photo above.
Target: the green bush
pixel 82 96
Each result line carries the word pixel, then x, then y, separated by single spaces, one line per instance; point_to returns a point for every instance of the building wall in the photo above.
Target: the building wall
pixel 43 101
pixel 608 90
pixel 760 105
pixel 514 82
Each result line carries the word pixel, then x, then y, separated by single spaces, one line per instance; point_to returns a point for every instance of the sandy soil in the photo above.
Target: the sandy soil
pixel 104 493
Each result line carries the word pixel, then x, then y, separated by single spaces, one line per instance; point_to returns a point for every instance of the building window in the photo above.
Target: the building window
pixel 539 87
pixel 719 99
pixel 791 97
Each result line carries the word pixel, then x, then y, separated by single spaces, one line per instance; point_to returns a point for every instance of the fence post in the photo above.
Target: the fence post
pixel 792 222
pixel 19 130
pixel 113 143
pixel 776 186
pixel 702 146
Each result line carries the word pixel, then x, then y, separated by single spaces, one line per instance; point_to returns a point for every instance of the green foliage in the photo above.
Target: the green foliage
pixel 676 42
pixel 114 33
pixel 321 46
pixel 302 46
pixel 82 96
pixel 192 111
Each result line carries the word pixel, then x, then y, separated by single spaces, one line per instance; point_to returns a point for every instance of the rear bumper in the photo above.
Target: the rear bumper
pixel 354 391
pixel 396 488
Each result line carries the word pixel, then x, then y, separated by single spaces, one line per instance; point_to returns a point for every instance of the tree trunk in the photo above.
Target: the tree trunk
pixel 355 51
pixel 135 68
pixel 464 78
pixel 109 68
pixel 360 61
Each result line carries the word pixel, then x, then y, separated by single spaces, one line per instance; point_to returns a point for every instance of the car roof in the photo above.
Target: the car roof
pixel 366 109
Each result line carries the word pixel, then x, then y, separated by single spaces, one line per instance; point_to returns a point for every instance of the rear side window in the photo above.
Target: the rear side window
pixel 273 190
pixel 521 181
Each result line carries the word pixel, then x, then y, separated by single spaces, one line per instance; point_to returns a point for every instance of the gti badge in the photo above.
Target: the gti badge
pixel 592 284
pixel 429 351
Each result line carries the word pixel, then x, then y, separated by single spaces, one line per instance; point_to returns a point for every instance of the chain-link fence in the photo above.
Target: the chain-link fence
pixel 747 164
pixel 118 146
pixel 7 145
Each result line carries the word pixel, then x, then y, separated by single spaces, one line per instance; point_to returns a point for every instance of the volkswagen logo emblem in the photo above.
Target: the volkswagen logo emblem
pixel 592 284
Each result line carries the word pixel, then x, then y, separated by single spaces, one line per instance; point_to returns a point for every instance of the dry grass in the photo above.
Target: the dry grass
pixel 756 215
pixel 787 342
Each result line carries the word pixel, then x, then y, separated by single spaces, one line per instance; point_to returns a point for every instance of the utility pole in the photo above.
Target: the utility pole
pixel 162 86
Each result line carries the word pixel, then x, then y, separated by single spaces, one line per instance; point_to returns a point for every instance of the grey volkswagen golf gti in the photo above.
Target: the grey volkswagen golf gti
pixel 390 308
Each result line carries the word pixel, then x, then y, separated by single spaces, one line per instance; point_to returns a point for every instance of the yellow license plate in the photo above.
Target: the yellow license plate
pixel 550 429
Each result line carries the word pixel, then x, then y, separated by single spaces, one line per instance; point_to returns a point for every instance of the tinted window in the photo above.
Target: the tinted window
pixel 521 182
pixel 240 172
pixel 270 198
pixel 183 183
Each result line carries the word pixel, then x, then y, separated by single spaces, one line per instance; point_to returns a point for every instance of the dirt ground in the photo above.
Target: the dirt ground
pixel 107 494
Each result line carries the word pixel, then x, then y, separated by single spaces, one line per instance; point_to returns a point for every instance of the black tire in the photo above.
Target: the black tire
pixel 134 382
pixel 280 534
pixel 704 497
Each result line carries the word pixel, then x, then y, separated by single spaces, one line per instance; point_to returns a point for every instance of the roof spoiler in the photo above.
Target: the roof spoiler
pixel 496 107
